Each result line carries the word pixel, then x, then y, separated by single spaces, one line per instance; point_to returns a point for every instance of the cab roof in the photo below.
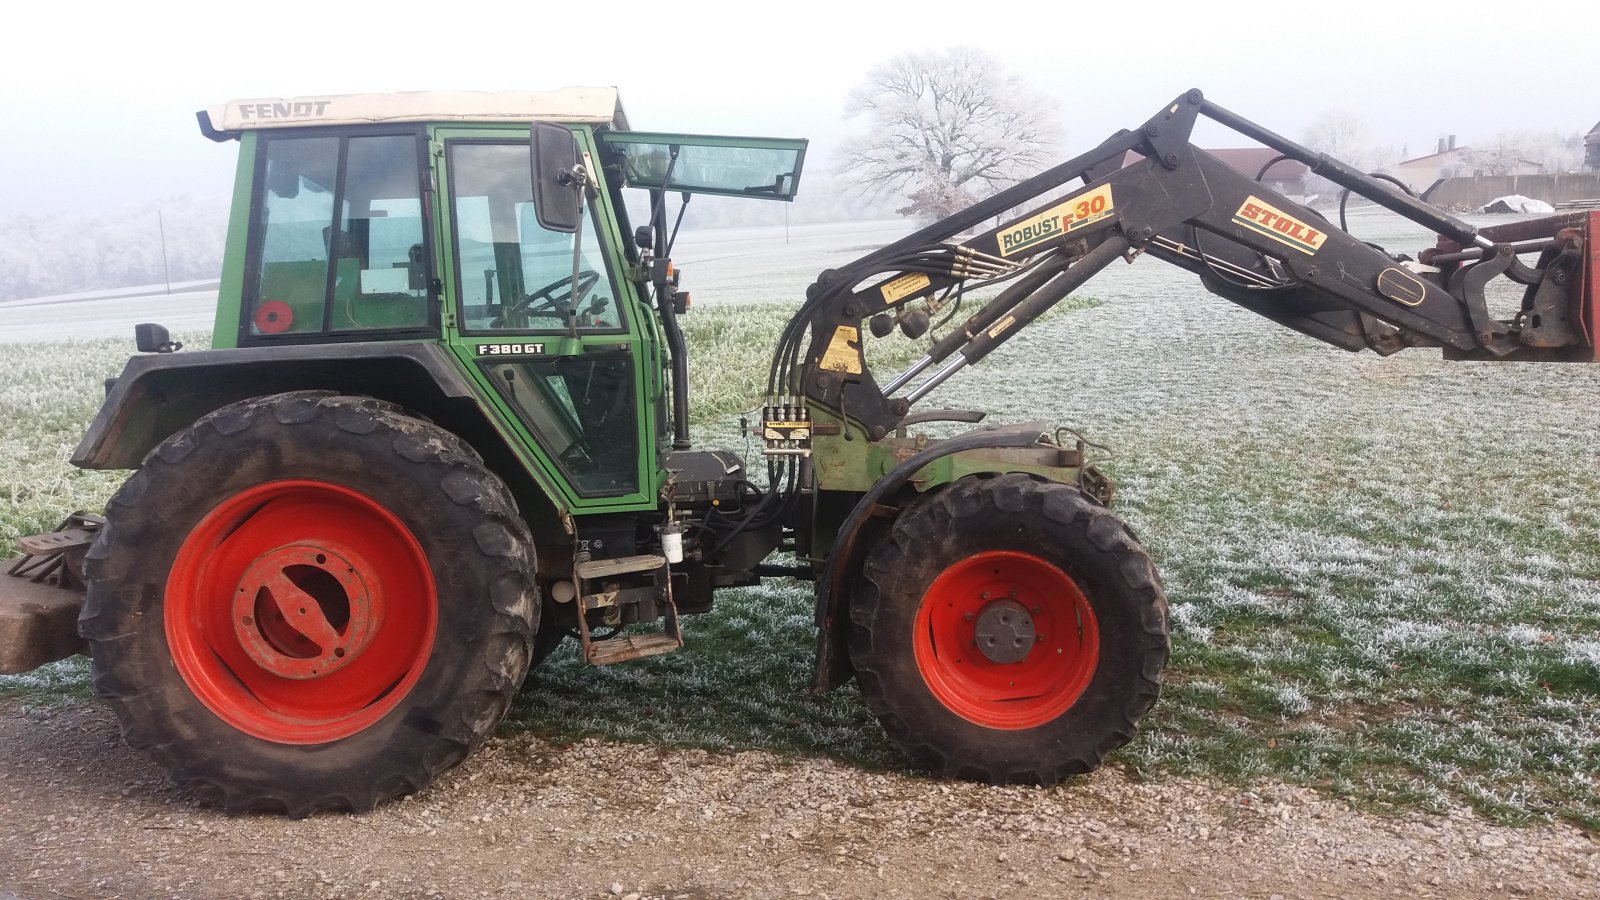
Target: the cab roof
pixel 597 105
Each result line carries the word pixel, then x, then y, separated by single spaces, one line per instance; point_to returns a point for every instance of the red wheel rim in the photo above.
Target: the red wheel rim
pixel 1004 589
pixel 300 612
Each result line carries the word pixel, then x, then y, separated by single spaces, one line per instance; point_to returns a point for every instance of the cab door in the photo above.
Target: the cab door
pixel 558 348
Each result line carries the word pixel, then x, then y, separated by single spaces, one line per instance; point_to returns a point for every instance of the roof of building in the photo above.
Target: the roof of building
pixel 1248 161
pixel 1593 137
pixel 1449 152
pixel 1520 160
pixel 599 105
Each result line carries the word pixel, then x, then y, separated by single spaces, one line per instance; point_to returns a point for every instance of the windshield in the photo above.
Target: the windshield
pixel 763 168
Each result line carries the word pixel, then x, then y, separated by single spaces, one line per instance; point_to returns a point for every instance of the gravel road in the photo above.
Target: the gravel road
pixel 84 816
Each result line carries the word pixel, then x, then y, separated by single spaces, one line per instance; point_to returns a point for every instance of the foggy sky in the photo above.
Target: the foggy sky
pixel 98 98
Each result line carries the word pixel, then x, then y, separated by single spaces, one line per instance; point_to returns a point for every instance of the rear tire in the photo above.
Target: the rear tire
pixel 309 601
pixel 1008 630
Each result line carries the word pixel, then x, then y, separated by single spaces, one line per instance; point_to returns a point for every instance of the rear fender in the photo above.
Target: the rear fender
pixel 159 394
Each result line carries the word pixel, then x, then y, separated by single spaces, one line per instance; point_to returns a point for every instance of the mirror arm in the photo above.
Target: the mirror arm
pixel 576 176
pixel 577 261
pixel 659 199
pixel 682 208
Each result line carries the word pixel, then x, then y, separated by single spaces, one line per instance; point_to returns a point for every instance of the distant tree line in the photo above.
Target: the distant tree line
pixel 59 254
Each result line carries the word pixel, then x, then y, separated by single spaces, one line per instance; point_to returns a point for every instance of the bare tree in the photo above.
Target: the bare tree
pixel 945 129
pixel 1343 135
pixel 1551 151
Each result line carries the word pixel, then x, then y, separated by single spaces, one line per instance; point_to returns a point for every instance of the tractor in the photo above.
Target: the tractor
pixel 443 428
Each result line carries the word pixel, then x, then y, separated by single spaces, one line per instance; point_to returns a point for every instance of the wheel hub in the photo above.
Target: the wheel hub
pixel 1004 631
pixel 302 612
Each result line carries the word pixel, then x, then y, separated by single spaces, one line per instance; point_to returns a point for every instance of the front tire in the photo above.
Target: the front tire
pixel 309 601
pixel 1008 630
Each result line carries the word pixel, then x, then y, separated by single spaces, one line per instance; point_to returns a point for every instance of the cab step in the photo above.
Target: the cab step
pixel 635 646
pixel 589 570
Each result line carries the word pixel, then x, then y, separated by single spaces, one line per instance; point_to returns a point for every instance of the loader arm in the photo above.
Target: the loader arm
pixel 1246 242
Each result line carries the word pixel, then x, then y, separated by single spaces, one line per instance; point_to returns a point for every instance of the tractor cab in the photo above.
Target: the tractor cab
pixel 412 217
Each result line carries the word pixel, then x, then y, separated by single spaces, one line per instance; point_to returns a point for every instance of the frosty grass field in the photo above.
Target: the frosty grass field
pixel 1383 572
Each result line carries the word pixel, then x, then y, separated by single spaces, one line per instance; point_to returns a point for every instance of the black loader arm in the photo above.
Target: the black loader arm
pixel 1246 242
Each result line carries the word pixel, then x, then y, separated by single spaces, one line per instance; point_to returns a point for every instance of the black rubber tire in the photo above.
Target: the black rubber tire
pixel 474 541
pixel 1059 524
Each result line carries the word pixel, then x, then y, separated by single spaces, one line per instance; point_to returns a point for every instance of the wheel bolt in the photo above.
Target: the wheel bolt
pixel 967 618
pixel 984 595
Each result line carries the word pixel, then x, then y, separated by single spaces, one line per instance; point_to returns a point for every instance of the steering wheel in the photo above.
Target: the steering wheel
pixel 557 297
pixel 580 452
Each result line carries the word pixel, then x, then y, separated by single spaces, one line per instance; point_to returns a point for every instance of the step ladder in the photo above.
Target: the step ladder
pixel 637 646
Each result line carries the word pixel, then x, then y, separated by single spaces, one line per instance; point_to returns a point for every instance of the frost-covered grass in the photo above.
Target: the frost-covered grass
pixel 1384 573
pixel 48 394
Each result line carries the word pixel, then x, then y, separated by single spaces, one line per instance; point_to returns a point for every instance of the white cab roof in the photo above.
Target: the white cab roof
pixel 599 105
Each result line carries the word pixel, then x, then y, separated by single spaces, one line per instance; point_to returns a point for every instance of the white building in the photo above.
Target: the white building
pixel 1451 161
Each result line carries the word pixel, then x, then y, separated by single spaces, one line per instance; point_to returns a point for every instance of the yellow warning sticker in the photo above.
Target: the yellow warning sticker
pixel 1070 215
pixel 788 431
pixel 844 351
pixel 999 327
pixel 903 287
pixel 1259 216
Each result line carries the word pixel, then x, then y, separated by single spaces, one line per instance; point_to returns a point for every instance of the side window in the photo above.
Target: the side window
pixel 295 213
pixel 382 277
pixel 581 410
pixel 513 275
pixel 339 238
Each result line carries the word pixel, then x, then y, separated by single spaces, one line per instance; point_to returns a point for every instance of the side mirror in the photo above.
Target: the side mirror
pixel 557 180
pixel 148 337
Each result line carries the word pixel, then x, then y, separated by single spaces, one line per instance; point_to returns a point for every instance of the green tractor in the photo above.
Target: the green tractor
pixel 443 428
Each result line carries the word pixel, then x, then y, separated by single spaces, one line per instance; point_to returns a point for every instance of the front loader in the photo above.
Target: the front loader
pixel 443 428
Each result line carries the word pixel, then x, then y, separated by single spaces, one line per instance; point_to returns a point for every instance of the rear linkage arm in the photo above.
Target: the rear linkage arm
pixel 1246 242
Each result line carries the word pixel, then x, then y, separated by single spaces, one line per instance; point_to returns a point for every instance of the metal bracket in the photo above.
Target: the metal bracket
pixel 1467 285
pixel 56 558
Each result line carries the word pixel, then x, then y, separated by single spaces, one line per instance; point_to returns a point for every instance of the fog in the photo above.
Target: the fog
pixel 98 98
